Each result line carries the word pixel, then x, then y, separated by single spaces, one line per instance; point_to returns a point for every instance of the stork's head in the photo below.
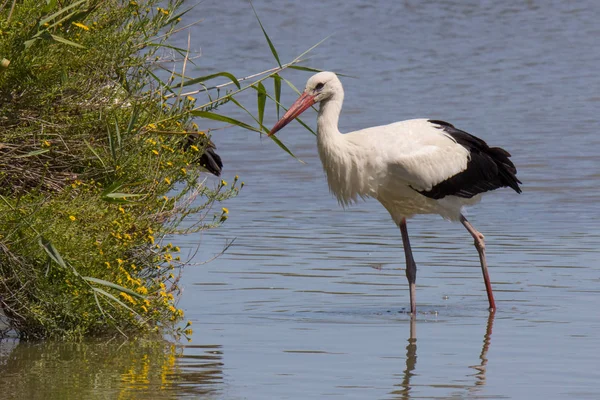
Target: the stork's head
pixel 320 87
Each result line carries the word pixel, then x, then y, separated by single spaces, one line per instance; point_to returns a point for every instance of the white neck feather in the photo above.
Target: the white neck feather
pixel 340 158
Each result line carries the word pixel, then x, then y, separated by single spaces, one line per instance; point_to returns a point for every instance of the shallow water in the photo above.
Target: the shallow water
pixel 310 301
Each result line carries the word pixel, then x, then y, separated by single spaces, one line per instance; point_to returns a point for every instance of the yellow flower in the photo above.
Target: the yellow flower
pixel 80 25
pixel 225 210
pixel 151 126
pixel 195 148
pixel 168 181
pixel 151 239
pixel 190 98
pixel 127 297
pixel 72 218
pixel 107 264
pixel 184 171
pixel 223 182
pixel 155 152
pixel 46 143
pixel 122 210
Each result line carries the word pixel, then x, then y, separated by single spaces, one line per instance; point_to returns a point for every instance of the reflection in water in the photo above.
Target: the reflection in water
pixel 125 370
pixel 411 360
pixel 487 338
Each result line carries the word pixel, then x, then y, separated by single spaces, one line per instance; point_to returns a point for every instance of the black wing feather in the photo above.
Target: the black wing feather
pixel 209 159
pixel 488 168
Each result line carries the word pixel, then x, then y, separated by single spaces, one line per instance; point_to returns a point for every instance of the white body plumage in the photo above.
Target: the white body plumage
pixel 391 163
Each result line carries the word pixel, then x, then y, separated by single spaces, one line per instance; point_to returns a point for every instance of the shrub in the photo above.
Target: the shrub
pixel 96 167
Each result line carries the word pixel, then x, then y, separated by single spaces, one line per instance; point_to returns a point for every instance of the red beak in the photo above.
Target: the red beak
pixel 304 101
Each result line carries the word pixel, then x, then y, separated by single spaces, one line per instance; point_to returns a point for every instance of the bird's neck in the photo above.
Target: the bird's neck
pixel 336 153
pixel 327 120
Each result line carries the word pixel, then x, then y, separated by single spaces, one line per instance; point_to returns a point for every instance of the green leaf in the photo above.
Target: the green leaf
pixel 113 298
pixel 50 4
pixel 111 188
pixel 302 68
pixel 277 87
pixel 222 118
pixel 209 77
pixel 261 101
pixel 237 103
pixel 33 153
pixel 290 84
pixel 94 151
pixel 174 18
pixel 65 41
pixel 61 11
pixel 158 80
pixel 133 119
pixel 29 43
pixel 118 132
pixel 51 251
pixel 113 286
pixel 111 145
pixel 110 195
pixel 266 36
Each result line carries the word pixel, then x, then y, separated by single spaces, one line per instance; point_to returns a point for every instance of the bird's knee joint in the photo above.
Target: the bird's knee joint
pixel 480 243
pixel 411 274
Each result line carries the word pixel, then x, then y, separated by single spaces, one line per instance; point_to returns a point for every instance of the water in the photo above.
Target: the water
pixel 311 300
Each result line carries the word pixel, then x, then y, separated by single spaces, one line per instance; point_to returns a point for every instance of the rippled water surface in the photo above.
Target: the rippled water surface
pixel 310 301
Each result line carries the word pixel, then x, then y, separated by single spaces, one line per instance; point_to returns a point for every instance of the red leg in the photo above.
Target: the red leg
pixel 480 246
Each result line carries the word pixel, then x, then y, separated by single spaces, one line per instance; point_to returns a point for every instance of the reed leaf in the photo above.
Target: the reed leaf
pixel 271 46
pixel 113 286
pixel 223 118
pixel 201 79
pixel 277 90
pixel 261 101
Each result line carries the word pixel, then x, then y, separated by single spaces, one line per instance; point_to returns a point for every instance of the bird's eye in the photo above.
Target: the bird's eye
pixel 319 86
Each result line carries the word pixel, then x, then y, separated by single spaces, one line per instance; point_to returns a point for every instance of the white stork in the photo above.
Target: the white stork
pixel 417 166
